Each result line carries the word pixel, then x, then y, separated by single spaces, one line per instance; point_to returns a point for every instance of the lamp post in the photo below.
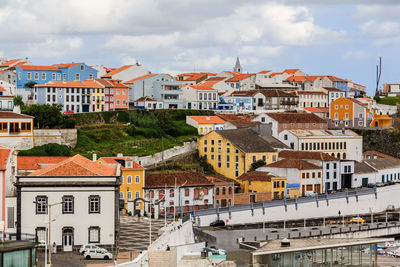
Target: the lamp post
pixel 49 230
pixel 179 196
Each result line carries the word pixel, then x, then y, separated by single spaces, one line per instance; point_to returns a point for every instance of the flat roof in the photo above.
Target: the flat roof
pixel 15 245
pixel 274 246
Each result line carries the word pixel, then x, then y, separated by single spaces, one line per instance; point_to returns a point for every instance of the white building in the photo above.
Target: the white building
pixel 127 72
pixel 206 124
pixel 16 130
pixel 342 144
pixel 182 192
pixel 83 197
pixel 149 103
pixel 334 93
pixel 317 99
pixel 200 97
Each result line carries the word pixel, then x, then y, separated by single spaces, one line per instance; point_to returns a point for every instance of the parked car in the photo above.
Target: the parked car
pixel 390 208
pixel 217 223
pixel 378 184
pixel 219 250
pixel 357 220
pixel 87 247
pixel 371 185
pixel 214 251
pixel 97 254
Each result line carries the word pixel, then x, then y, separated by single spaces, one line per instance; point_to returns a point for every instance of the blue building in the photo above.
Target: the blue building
pixel 340 84
pixel 238 100
pixel 58 72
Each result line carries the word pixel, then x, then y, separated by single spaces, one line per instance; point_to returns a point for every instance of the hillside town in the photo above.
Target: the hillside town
pixel 265 140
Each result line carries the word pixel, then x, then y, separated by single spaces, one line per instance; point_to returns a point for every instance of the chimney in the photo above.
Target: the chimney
pixel 285 243
pixel 94 157
pixel 119 155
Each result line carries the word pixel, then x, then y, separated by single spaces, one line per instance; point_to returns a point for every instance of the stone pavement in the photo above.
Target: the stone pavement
pixel 134 235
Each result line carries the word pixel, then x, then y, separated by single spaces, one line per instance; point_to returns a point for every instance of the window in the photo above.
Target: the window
pixel 223 190
pixel 205 142
pixel 36 75
pixel 41 205
pixel 129 195
pixel 29 76
pixel 161 194
pixel 94 234
pixel 285 137
pixel 43 76
pixel 171 193
pixel 137 179
pixel 77 77
pixel 121 195
pixel 53 76
pixel 217 191
pixel 186 192
pixel 68 204
pixel 334 166
pixel 59 76
pixel 94 204
pixel 129 179
pixel 41 233
pixel 137 194
pixel 254 158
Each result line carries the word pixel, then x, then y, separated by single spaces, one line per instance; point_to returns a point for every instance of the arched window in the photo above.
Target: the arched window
pixel 344 155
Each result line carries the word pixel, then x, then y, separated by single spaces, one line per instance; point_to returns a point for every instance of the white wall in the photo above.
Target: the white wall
pixel 366 203
pixel 80 220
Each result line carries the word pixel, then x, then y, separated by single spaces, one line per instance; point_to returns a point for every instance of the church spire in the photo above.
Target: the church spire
pixel 238 67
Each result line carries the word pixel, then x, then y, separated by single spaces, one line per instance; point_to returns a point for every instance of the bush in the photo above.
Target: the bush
pixel 46 116
pixel 47 150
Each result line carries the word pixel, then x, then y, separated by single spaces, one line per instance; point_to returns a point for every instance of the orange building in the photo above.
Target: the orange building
pixel 348 112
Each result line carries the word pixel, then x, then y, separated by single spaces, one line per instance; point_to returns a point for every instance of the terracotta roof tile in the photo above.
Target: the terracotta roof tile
pixel 290 154
pixel 141 78
pixel 218 179
pixel 66 65
pixel 160 180
pixel 240 77
pixel 13 115
pixel 256 176
pixel 4 155
pixel 296 78
pixel 84 84
pixel 291 71
pixel 34 162
pixel 116 71
pixel 294 164
pixel 76 166
pixel 121 160
pixel 36 67
pixel 145 98
pixel 207 119
pixel 310 92
pixel 315 110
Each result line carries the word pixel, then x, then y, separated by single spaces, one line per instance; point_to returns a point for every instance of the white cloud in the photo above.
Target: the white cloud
pixel 376 29
pixel 377 11
pixel 355 55
pixel 261 51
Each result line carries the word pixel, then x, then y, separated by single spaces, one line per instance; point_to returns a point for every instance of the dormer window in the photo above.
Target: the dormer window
pixel 129 164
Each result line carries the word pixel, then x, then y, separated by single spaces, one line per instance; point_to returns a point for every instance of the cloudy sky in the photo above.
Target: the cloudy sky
pixel 339 37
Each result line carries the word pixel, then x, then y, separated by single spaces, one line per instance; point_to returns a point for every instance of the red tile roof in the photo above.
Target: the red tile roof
pixel 116 71
pixel 141 78
pixel 291 71
pixel 66 65
pixel 84 84
pixel 10 62
pixel 296 78
pixel 311 155
pixel 115 160
pixel 240 77
pixel 264 71
pixel 294 164
pixel 234 72
pixel 256 176
pixel 334 89
pixel 13 115
pixel 314 110
pixel 206 85
pixel 234 118
pixel 2 89
pixel 4 155
pixel 218 179
pixel 312 78
pixel 310 92
pixel 207 119
pixel 33 163
pixel 276 73
pixel 159 180
pixel 111 83
pixel 76 166
pixel 145 98
pixel 36 67
pixel 336 79
pixel 193 76
pixel 295 117
pixel 215 79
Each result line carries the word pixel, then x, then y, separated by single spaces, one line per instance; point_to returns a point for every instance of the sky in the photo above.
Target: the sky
pixel 337 37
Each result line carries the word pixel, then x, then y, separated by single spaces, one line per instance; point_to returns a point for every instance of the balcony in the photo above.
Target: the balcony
pixel 289 102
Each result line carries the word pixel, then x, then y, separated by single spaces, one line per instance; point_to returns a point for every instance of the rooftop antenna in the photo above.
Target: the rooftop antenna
pixel 378 75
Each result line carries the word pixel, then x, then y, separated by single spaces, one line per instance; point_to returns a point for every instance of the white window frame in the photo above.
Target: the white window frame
pixel 129 179
pixel 137 179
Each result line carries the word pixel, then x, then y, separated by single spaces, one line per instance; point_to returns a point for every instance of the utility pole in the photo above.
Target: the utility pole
pixel 378 75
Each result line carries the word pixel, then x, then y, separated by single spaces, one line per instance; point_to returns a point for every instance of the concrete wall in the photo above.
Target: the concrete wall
pixel 59 136
pixel 179 234
pixel 147 161
pixel 365 203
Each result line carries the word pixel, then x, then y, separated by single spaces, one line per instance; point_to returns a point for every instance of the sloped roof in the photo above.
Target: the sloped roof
pixel 296 78
pixel 383 163
pixel 158 180
pixel 146 98
pixel 37 67
pixel 310 92
pixel 275 93
pixel 256 176
pixel 118 160
pixel 294 164
pixel 336 79
pixel 111 83
pixel 315 110
pixel 116 71
pixel 246 140
pixel 362 167
pixel 291 154
pixel 4 155
pixel 10 62
pixel 66 65
pixel 76 166
pixel 2 89
pixel 207 119
pixel 141 78
pixel 193 76
pixel 239 77
pixel 291 71
pixel 33 162
pixel 287 117
pixel 84 84
pixel 264 71
pixel 217 179
pixel 333 89
pixel 13 115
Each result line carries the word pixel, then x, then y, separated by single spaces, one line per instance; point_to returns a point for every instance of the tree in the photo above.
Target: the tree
pixel 46 116
pixel 257 164
pixel 30 84
pixel 18 101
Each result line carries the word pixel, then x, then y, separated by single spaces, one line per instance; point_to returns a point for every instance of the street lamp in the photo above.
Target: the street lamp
pixel 49 234
pixel 179 196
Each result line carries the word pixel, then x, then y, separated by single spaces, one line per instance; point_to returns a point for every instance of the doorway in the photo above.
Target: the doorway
pixel 67 238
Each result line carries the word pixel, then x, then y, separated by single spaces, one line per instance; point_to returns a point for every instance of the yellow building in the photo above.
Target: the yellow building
pixel 133 180
pixel 255 182
pixel 231 152
pixel 98 102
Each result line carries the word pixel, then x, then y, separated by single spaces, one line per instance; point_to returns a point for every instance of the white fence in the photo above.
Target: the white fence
pixel 166 154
